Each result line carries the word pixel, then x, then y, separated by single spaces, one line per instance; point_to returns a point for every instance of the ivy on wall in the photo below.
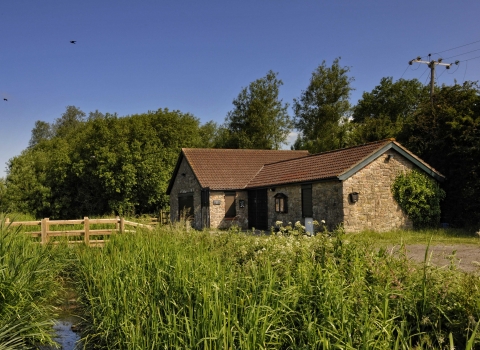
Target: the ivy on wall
pixel 419 196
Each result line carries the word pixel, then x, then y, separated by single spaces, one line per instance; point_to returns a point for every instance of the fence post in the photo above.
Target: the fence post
pixel 161 217
pixel 44 230
pixel 86 224
pixel 117 224
pixel 7 221
pixel 122 225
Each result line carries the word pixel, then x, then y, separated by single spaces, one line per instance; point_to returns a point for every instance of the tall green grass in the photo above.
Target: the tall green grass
pixel 29 285
pixel 198 290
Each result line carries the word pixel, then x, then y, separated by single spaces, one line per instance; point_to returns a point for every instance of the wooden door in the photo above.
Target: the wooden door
pixel 258 209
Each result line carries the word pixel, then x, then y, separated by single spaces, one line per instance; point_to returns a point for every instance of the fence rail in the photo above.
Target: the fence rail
pixel 87 235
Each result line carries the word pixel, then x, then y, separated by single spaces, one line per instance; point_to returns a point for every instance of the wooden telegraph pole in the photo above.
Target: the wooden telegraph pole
pixel 431 65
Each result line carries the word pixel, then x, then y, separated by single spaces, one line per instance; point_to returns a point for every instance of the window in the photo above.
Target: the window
pixel 230 210
pixel 307 206
pixel 281 203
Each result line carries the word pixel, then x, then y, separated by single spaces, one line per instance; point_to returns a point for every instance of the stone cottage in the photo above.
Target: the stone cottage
pixel 216 188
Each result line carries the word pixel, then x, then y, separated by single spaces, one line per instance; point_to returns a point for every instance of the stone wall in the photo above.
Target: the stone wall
pixel 294 205
pixel 376 209
pixel 217 211
pixel 326 198
pixel 327 203
pixel 186 184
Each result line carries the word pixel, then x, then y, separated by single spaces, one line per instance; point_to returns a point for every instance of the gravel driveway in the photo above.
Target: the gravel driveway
pixel 467 256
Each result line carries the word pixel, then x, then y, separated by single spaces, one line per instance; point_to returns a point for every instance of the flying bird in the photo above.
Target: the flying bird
pixel 73 41
pixel 5 99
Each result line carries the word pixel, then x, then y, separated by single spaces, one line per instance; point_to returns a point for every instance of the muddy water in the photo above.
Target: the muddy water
pixel 66 338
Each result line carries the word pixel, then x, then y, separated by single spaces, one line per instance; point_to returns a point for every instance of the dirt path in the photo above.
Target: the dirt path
pixel 467 257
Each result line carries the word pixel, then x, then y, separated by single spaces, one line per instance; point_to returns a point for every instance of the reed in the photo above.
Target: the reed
pixel 200 290
pixel 29 285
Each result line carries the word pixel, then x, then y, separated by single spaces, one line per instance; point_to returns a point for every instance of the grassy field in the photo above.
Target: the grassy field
pixel 432 236
pixel 173 288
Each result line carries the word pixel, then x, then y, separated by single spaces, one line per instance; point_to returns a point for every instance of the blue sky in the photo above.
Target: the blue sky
pixel 195 56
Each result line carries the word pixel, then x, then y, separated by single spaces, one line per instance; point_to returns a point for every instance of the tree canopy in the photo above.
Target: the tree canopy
pixel 322 109
pixel 381 113
pixel 101 165
pixel 446 134
pixel 259 118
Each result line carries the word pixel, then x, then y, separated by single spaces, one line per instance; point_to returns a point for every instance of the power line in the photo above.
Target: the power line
pixel 461 54
pixel 428 76
pixel 404 71
pixel 473 58
pixel 458 67
pixel 438 76
pixel 423 72
pixel 478 41
pixel 454 48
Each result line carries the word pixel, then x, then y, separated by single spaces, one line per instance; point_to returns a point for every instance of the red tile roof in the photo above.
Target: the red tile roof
pixel 229 169
pixel 224 169
pixel 320 166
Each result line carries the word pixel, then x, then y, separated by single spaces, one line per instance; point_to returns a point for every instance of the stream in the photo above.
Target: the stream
pixel 65 336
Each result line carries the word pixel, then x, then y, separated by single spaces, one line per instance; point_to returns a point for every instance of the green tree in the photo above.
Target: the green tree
pixel 41 131
pixel 69 122
pixel 209 134
pixel 446 134
pixel 3 190
pixel 382 112
pixel 259 119
pixel 99 166
pixel 26 190
pixel 321 112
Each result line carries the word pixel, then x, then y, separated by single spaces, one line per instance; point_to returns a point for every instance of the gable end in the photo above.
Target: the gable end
pixel 420 164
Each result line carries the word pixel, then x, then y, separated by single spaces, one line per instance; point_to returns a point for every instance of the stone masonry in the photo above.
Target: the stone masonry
pixel 217 211
pixel 186 184
pixel 326 198
pixel 376 208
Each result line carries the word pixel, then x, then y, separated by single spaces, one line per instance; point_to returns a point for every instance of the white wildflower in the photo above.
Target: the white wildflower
pixel 278 223
pixel 323 222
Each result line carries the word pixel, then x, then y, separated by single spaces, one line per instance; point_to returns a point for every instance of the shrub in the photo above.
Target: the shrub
pixel 419 197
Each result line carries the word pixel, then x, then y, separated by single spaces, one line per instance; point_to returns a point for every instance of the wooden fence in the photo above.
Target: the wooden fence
pixel 163 217
pixel 87 235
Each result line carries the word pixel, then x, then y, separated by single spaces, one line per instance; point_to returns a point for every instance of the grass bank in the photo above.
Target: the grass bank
pixel 29 287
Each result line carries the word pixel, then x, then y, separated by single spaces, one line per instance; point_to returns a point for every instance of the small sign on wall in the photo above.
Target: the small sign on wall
pixel 216 202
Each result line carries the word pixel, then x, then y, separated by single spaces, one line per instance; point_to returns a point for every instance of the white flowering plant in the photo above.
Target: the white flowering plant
pixel 297 229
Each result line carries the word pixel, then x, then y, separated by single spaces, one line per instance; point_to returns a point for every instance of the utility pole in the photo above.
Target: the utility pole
pixel 431 65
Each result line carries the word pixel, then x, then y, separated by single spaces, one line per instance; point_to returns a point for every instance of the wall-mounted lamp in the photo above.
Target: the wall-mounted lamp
pixel 390 157
pixel 353 197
